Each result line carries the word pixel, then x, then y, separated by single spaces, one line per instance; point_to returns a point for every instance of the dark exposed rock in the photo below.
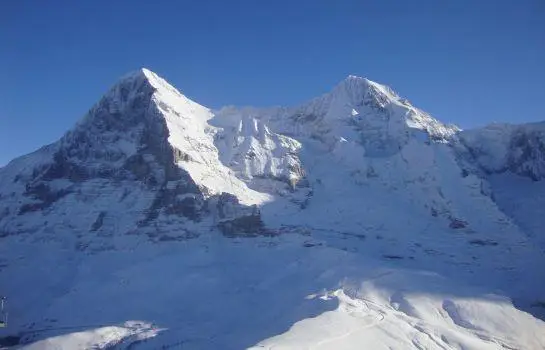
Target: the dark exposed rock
pixel 182 200
pixel 138 167
pixel 226 203
pixel 99 221
pixel 359 236
pixel 250 225
pixel 63 168
pixel 371 173
pixel 155 142
pixel 189 207
pixel 180 156
pixel 306 201
pixel 30 207
pixel 41 191
pixel 237 219
pixel 393 257
pixel 305 118
pixel 311 244
pixel 43 194
pixel 483 242
pixel 527 155
pixel 456 223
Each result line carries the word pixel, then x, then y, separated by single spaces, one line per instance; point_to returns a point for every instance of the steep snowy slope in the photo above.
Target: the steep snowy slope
pixel 271 293
pixel 380 167
pixel 143 212
pixel 512 160
pixel 254 152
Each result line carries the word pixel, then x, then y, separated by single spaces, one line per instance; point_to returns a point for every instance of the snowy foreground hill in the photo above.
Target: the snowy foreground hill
pixel 352 221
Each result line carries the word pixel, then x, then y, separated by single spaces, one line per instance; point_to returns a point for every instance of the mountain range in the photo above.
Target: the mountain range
pixel 353 220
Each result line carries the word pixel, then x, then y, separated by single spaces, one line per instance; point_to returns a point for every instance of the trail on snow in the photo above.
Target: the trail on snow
pixel 358 308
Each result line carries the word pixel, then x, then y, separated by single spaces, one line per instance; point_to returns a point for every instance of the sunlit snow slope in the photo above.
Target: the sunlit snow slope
pixel 354 220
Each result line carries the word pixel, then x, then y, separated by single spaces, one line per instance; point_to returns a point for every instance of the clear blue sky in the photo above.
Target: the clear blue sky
pixel 467 62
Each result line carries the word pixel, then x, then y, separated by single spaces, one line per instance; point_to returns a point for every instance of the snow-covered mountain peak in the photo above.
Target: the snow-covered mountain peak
pixel 141 73
pixel 144 75
pixel 358 110
pixel 141 100
pixel 363 198
pixel 357 89
pixel 144 79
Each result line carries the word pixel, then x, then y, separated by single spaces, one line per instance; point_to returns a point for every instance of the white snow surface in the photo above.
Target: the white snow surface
pixel 189 131
pixel 385 228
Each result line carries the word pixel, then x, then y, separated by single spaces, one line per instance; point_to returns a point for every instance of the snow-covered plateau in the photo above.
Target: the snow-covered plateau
pixel 352 221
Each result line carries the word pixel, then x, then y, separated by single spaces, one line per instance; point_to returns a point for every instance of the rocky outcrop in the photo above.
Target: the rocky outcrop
pixel 235 219
pixel 256 153
pixel 519 149
pixel 42 195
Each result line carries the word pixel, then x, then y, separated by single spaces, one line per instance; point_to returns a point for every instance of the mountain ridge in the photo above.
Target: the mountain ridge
pixel 357 173
pixel 144 129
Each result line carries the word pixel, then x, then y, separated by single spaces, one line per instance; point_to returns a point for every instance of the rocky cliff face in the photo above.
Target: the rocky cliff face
pixel 500 148
pixel 120 170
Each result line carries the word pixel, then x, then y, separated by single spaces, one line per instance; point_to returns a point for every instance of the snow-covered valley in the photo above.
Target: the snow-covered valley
pixel 354 220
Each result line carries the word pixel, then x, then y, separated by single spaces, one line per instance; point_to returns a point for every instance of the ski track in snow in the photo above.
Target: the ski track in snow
pixel 357 309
